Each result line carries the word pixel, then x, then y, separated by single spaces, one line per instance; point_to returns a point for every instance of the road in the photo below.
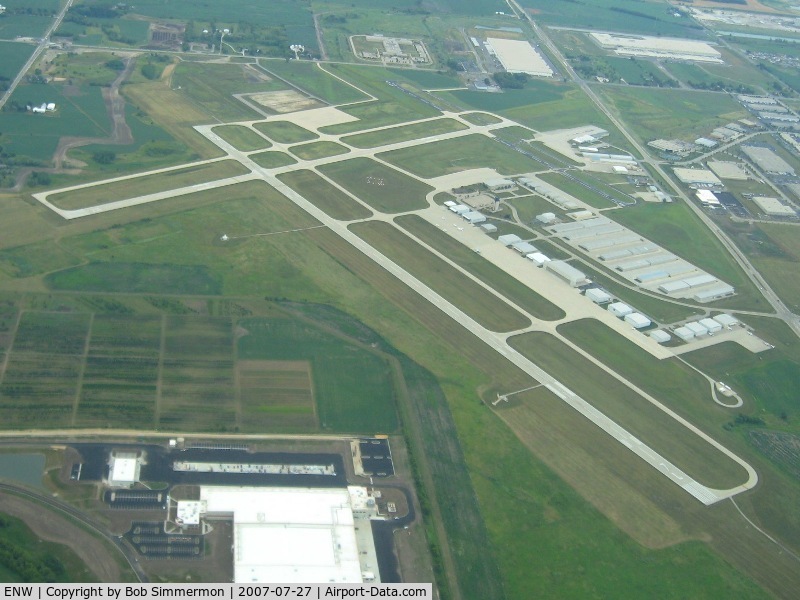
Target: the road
pixel 781 310
pixel 43 42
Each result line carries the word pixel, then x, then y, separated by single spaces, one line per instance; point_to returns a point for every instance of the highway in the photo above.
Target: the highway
pixel 781 310
pixel 43 42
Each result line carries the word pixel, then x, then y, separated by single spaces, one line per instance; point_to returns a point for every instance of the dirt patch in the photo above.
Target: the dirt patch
pixel 284 101
pixel 53 528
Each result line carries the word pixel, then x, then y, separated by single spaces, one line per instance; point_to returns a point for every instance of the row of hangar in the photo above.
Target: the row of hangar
pixel 640 261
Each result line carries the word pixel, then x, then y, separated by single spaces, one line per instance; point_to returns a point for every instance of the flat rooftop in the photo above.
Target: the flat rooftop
pixel 294 535
pixel 518 56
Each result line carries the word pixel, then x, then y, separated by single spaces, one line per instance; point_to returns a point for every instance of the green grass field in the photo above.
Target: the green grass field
pixel 325 196
pixel 316 150
pixel 478 118
pixel 242 138
pixel 352 386
pixel 272 159
pixel 210 87
pixel 575 189
pixel 285 132
pixel 460 154
pixel 310 78
pixel 473 299
pixel 404 133
pixel 636 72
pixel 523 296
pixel 661 113
pixel 136 278
pixel 14 56
pixel 382 187
pixel 631 411
pixel 781 271
pixel 148 184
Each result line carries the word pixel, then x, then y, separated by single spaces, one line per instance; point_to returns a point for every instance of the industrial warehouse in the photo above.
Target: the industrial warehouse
pixel 658 47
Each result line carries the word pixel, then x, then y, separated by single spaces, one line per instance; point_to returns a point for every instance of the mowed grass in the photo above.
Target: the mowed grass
pixel 316 150
pixel 575 189
pixel 659 113
pixel 241 137
pixel 382 187
pixel 149 184
pixel 460 154
pixel 404 133
pixel 272 159
pixel 310 78
pixel 36 258
pixel 285 132
pixel 276 394
pixel 476 301
pixel 324 195
pixel 782 272
pixel 510 287
pixel 353 387
pixel 478 118
pixel 631 411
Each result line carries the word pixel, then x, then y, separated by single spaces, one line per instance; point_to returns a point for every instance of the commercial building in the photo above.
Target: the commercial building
pixel 673 147
pixel 537 258
pixel 598 296
pixel 619 309
pixel 473 217
pixel 637 320
pixel 696 177
pixel 499 184
pixel 767 160
pixel 714 293
pixel 509 239
pixel 518 56
pixel 580 215
pixel 708 198
pixel 710 324
pixel 726 320
pixel 706 143
pixel 727 170
pixel 660 336
pixel 123 469
pixel 293 535
pixel 773 207
pixel 658 47
pixel 566 272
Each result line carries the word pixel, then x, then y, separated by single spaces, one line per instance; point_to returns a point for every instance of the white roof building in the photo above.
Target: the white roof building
pixel 547 218
pixel 293 535
pixel 774 207
pixel 524 248
pixel 518 56
pixel 499 184
pixel 537 258
pixel 474 217
pixel 710 324
pixel 684 333
pixel 123 469
pixel 661 336
pixel 509 239
pixel 566 272
pixel 697 329
pixel 696 176
pixel 726 320
pixel 598 296
pixel 619 309
pixel 638 320
pixel 488 227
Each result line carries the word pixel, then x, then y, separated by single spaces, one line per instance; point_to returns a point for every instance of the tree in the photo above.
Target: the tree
pixel 104 157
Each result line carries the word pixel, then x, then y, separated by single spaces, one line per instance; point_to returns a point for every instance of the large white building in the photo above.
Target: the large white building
pixel 658 47
pixel 297 535
pixel 518 56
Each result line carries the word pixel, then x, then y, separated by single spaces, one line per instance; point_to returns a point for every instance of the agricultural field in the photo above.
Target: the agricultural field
pixel 242 138
pixel 284 132
pixel 493 276
pixel 148 184
pixel 460 154
pixel 472 298
pixel 14 56
pixel 276 394
pixel 639 72
pixel 382 187
pixel 324 195
pixel 780 268
pixel 404 133
pixel 272 159
pixel 21 22
pixel 317 150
